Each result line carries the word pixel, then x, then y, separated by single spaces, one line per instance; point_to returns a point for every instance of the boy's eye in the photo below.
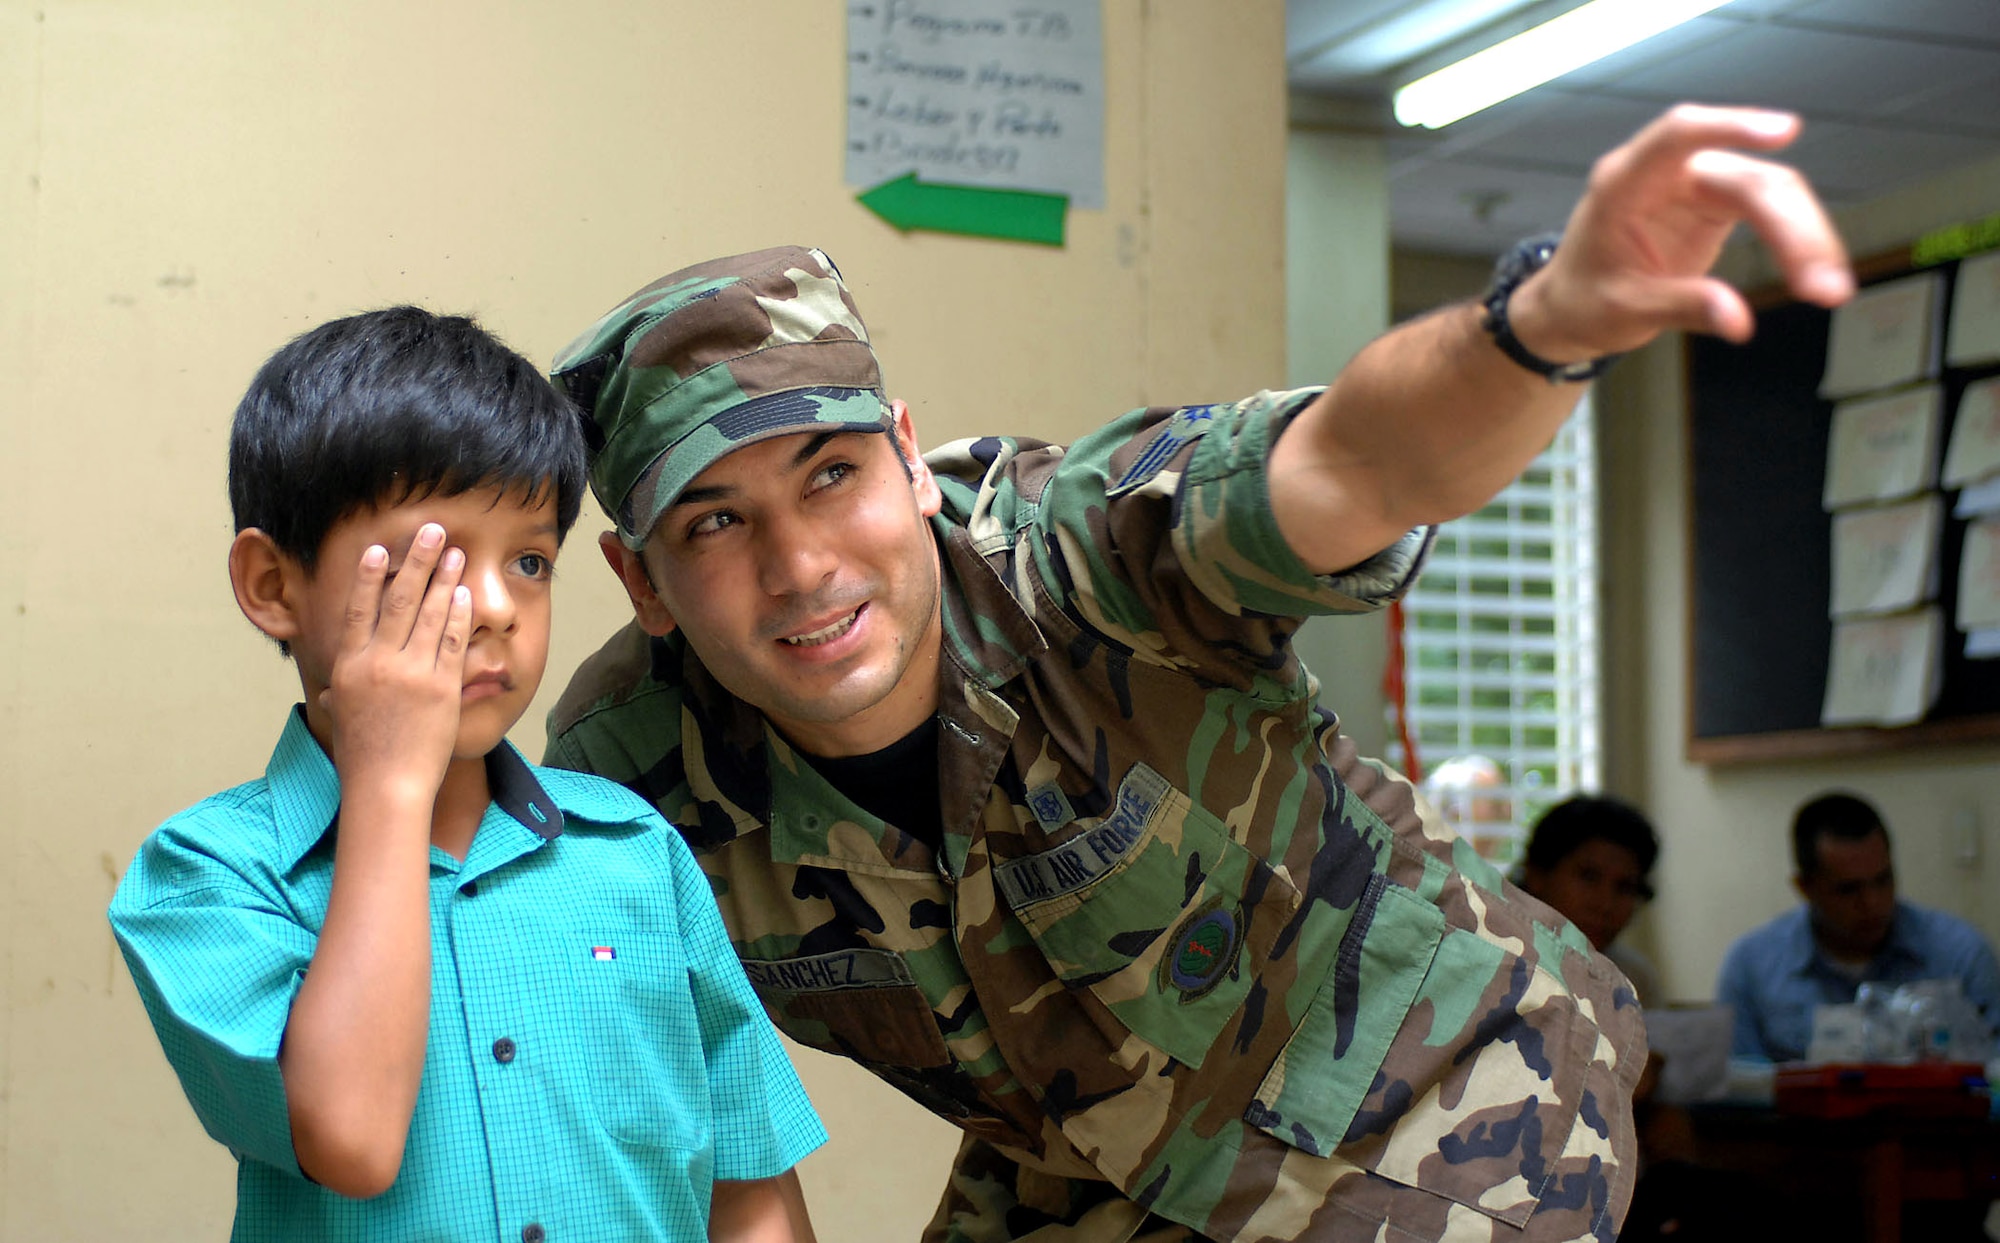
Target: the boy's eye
pixel 535 565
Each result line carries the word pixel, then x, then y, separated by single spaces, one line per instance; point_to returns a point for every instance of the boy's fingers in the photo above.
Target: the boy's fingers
pixel 364 599
pixel 435 613
pixel 457 630
pixel 406 594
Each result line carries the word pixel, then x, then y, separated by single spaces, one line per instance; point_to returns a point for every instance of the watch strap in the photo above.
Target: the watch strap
pixel 1519 263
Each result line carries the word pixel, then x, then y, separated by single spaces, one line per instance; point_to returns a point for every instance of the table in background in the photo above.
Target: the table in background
pixel 1887 1160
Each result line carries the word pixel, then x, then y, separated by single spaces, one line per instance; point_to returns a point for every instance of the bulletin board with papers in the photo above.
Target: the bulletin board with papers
pixel 1844 520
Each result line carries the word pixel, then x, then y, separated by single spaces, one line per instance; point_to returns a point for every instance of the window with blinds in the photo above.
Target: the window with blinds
pixel 1500 645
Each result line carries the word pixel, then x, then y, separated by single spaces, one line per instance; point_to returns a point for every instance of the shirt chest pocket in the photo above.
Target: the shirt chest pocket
pixel 1156 912
pixel 641 1041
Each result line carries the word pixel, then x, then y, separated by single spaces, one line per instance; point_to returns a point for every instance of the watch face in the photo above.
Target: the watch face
pixel 1528 256
pixel 1522 260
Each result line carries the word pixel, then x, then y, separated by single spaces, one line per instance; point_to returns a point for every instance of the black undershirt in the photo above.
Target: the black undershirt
pixel 899 783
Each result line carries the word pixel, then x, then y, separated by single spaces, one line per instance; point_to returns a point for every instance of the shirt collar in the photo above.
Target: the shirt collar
pixel 1904 941
pixel 305 790
pixel 987 633
pixel 515 791
pixel 1902 945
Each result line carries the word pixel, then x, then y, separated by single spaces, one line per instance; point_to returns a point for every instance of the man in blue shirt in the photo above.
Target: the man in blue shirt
pixel 1851 931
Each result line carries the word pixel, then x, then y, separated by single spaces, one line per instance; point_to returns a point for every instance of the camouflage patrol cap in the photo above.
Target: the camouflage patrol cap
pixel 712 358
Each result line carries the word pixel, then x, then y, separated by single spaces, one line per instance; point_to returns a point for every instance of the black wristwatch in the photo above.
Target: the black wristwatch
pixel 1522 260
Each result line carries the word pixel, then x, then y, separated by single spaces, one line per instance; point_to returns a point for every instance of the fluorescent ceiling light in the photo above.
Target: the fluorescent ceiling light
pixel 1533 57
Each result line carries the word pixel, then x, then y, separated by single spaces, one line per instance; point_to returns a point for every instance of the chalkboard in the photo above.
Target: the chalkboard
pixel 1760 551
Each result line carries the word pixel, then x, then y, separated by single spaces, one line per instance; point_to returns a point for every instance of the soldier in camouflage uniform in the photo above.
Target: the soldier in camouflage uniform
pixel 1179 964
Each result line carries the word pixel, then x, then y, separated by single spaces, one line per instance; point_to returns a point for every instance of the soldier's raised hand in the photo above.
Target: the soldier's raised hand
pixel 1635 256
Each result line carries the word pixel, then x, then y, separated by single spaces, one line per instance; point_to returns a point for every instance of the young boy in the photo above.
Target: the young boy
pixel 420 988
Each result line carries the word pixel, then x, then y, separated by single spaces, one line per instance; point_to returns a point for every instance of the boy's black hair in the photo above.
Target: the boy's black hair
pixel 1588 818
pixel 388 406
pixel 1839 814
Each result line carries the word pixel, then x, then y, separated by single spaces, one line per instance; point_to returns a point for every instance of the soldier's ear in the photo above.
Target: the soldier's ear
pixel 924 484
pixel 630 567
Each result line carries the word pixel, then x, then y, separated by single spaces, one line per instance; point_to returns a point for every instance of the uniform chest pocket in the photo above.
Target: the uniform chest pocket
pixel 863 1004
pixel 1435 1058
pixel 1154 911
pixel 641 1043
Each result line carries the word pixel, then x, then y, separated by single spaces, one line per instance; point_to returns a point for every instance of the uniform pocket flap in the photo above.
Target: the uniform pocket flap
pixel 859 1002
pixel 1312 1092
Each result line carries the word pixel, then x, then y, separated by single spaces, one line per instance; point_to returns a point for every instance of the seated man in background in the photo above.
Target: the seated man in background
pixel 1851 931
pixel 1591 857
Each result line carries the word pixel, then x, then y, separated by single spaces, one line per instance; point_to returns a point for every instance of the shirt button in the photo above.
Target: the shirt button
pixel 503 1051
pixel 533 1233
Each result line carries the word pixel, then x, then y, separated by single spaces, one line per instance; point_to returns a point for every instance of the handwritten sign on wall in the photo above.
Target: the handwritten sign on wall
pixel 1005 95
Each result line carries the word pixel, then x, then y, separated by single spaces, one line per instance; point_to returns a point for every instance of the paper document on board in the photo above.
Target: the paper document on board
pixel 1695 1042
pixel 1975 312
pixel 1979 576
pixel 1975 435
pixel 1883 448
pixel 1885 558
pixel 1884 670
pixel 1982 644
pixel 1885 336
pixel 1978 498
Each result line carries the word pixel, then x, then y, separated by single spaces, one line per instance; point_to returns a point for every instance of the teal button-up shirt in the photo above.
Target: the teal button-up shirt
pixel 595 1057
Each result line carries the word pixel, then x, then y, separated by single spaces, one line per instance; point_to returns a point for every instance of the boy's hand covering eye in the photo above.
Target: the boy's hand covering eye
pixel 393 693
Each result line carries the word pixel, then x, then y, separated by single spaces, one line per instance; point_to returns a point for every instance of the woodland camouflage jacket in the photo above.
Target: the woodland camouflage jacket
pixel 1180 939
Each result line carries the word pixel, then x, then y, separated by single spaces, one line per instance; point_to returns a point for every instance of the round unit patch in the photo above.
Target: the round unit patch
pixel 1204 949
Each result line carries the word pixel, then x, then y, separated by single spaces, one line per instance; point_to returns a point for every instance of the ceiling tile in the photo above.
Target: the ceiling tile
pixel 1969 109
pixel 1855 163
pixel 1564 131
pixel 1977 20
pixel 1438 206
pixel 1689 40
pixel 1762 8
pixel 1895 92
pixel 1309 23
pixel 1807 70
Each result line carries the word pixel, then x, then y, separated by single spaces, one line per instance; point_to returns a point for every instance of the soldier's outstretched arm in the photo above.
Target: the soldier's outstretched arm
pixel 1432 419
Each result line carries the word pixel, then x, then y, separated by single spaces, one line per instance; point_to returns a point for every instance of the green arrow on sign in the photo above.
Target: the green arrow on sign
pixel 1016 215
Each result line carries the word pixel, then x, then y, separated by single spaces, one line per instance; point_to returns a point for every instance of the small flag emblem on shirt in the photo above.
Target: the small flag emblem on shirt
pixel 603 953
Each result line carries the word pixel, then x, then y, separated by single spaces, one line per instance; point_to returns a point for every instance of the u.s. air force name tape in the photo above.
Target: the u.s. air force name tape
pixel 1081 860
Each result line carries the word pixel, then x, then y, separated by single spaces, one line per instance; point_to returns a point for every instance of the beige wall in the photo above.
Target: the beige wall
pixel 1725 865
pixel 183 186
pixel 1336 301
